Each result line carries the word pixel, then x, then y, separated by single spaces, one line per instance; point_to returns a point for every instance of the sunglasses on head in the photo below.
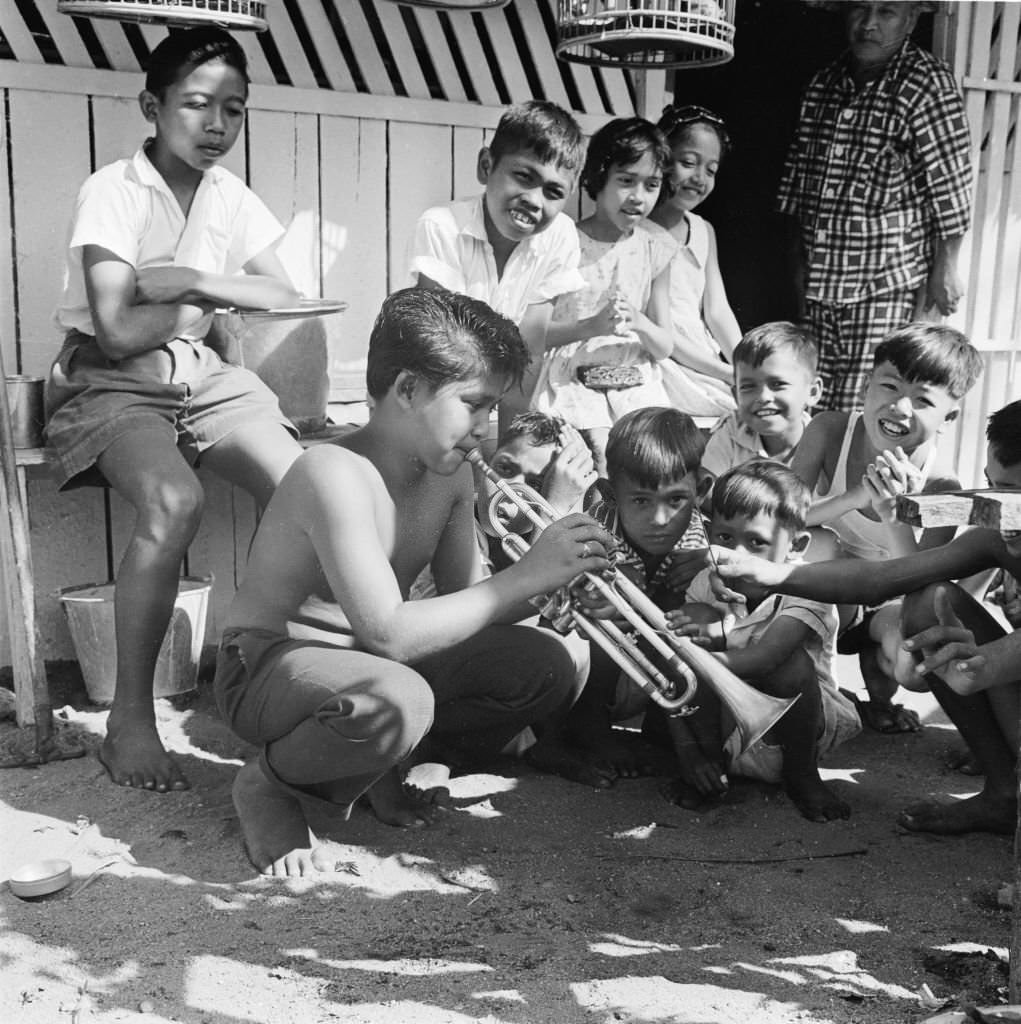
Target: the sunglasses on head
pixel 678 117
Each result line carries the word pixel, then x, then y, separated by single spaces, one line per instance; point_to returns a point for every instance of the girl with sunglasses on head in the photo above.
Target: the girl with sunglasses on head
pixel 696 377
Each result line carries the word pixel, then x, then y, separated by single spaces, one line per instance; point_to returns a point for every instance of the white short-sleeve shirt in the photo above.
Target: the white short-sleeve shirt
pixel 450 246
pixel 128 208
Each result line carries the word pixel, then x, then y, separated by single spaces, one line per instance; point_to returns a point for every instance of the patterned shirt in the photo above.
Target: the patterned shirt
pixel 875 174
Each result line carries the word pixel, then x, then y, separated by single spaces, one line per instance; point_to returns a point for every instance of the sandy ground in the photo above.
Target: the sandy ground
pixel 535 900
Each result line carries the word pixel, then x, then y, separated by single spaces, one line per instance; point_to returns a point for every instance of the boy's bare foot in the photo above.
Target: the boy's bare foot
pixel 133 755
pixel 277 839
pixel 814 798
pixel 551 754
pixel 981 813
pixel 964 761
pixel 884 716
pixel 394 803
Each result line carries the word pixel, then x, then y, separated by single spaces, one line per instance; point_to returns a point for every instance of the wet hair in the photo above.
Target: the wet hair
pixel 622 142
pixel 1003 432
pixel 441 337
pixel 654 446
pixel 927 353
pixel 765 487
pixel 542 128
pixel 767 339
pixel 677 121
pixel 181 52
pixel 538 427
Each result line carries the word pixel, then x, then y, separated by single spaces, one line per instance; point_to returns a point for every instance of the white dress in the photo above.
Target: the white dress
pixel 630 265
pixel 689 390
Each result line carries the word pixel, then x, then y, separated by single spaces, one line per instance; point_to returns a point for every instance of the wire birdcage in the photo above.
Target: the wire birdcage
pixel 455 5
pixel 229 14
pixel 646 33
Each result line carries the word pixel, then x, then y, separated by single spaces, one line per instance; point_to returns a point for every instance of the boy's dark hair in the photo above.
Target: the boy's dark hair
pixel 761 342
pixel 623 141
pixel 182 52
pixel 763 487
pixel 654 446
pixel 542 128
pixel 441 337
pixel 1003 432
pixel 925 353
pixel 538 427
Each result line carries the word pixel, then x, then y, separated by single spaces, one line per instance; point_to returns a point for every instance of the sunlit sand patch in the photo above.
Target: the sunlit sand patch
pixel 973 947
pixel 791 977
pixel 505 995
pixel 638 832
pixel 622 945
pixel 655 999
pixel 839 970
pixel 860 927
pixel 840 774
pixel 406 966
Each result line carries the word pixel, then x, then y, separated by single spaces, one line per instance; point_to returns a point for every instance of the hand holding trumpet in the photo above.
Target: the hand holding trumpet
pixel 564 550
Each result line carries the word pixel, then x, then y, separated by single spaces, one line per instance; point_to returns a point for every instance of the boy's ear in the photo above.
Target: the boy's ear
pixel 484 165
pixel 148 104
pixel 815 391
pixel 405 387
pixel 799 543
pixel 705 484
pixel 953 414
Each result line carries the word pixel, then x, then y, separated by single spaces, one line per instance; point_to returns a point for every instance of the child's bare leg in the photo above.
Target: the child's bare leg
pixel 596 437
pixel 994 809
pixel 881 713
pixel 147 470
pixel 254 457
pixel 798 732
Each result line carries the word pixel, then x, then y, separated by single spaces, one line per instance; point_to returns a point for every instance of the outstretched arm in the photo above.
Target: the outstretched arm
pixel 846 581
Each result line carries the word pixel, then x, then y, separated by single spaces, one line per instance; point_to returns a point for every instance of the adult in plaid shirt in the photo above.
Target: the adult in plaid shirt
pixel 878 179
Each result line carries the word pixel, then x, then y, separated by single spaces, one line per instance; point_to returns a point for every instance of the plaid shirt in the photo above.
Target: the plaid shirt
pixel 875 175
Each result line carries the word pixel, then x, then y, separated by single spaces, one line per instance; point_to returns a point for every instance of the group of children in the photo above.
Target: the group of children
pixel 376 623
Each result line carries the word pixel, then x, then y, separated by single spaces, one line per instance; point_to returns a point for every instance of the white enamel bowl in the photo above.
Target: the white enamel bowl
pixel 40 878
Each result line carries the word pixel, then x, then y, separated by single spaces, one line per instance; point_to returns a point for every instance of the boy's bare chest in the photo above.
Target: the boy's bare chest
pixel 418 518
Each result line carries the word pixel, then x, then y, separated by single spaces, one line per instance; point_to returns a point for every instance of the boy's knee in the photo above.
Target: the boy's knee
pixel 397 710
pixel 794 676
pixel 172 507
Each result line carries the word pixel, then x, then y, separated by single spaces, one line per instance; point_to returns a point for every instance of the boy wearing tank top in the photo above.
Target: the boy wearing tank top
pixel 920 373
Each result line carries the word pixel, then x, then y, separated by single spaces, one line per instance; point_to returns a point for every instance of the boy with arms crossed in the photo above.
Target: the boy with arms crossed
pixel 325 663
pixel 513 247
pixel 968 660
pixel 920 374
pixel 135 397
pixel 782 646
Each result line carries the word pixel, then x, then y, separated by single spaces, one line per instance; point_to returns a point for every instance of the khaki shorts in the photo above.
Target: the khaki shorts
pixel 182 388
pixel 764 761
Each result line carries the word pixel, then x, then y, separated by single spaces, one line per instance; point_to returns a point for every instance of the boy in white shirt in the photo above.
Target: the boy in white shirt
pixel 513 247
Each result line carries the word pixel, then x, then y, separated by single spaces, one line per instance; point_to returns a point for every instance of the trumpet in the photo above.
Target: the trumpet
pixel 686 664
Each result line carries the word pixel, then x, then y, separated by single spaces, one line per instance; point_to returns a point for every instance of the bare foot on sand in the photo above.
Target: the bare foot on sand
pixel 964 761
pixel 982 813
pixel 277 839
pixel 133 755
pixel 814 798
pixel 394 803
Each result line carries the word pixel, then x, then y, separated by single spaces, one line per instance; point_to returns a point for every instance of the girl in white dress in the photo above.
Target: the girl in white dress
pixel 696 378
pixel 605 343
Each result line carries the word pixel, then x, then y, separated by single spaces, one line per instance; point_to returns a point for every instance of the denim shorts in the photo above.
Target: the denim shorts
pixel 182 388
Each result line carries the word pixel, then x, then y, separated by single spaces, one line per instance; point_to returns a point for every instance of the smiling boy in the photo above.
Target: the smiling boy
pixel 513 247
pixel 776 385
pixel 325 663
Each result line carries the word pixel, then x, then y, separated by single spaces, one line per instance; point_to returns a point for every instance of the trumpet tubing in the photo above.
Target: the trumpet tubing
pixel 688 664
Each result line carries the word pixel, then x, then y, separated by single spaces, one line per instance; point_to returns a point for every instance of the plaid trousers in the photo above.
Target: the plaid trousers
pixel 847 336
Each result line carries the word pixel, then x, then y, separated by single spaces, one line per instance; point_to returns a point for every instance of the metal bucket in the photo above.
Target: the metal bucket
pixel 25 398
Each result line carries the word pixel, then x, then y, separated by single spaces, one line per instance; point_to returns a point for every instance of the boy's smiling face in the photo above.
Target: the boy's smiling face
pixel 902 412
pixel 654 519
pixel 198 118
pixel 773 396
pixel 523 195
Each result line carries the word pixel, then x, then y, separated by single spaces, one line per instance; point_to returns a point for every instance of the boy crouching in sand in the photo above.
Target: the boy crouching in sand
pixel 325 663
pixel 782 646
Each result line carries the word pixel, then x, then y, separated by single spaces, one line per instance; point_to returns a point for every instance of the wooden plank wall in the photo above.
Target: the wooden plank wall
pixel 984 49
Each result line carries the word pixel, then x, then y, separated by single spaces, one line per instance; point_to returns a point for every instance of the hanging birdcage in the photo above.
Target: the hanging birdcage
pixel 229 14
pixel 646 33
pixel 456 5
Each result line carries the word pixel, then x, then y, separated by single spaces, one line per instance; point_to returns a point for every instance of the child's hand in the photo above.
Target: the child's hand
pixel 167 284
pixel 684 567
pixel 949 650
pixel 563 551
pixel 890 475
pixel 570 473
pixel 1007 597
pixel 607 321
